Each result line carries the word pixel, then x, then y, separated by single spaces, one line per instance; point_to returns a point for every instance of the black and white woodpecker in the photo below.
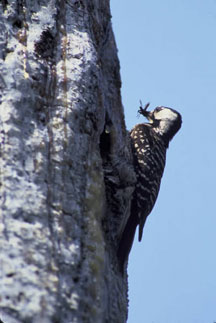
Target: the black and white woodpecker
pixel 149 143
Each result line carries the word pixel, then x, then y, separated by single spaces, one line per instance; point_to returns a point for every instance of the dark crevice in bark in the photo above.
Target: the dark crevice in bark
pixel 106 140
pixel 4 4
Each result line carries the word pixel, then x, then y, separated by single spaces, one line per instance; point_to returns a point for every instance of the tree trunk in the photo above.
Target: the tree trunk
pixel 65 168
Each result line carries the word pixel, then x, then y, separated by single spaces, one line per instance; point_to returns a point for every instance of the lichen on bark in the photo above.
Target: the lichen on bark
pixel 64 192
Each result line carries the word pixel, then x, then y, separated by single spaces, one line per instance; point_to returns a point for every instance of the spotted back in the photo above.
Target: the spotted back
pixel 149 153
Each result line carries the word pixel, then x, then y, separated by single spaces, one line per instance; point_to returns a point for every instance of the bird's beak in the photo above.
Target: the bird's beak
pixel 148 115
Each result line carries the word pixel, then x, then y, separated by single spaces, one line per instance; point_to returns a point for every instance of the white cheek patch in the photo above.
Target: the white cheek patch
pixel 165 114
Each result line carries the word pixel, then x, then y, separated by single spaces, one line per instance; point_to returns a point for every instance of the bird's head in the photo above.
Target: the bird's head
pixel 164 121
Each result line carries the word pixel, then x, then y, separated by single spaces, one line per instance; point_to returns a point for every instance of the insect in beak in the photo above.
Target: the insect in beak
pixel 144 111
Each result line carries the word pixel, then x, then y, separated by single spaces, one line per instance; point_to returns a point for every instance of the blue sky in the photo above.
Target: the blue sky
pixel 167 52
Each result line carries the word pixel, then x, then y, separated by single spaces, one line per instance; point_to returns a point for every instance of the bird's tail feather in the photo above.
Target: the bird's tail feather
pixel 127 238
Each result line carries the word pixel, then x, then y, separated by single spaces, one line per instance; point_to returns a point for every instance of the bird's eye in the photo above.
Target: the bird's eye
pixel 157 109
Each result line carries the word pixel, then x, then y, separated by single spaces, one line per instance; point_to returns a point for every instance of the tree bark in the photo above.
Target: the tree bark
pixel 65 167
